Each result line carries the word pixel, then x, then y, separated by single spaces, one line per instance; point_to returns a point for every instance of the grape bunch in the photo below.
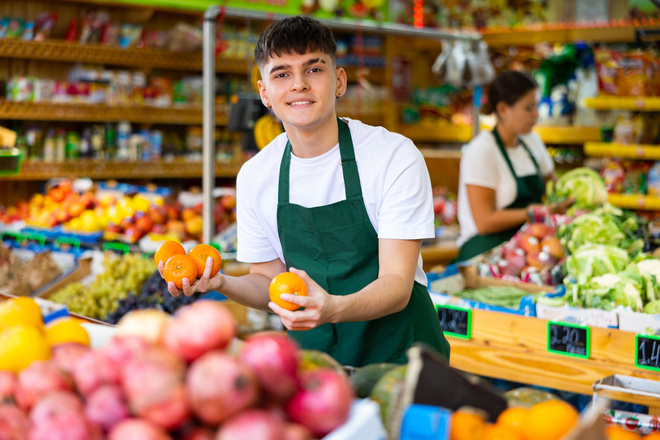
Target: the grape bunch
pixel 152 295
pixel 121 276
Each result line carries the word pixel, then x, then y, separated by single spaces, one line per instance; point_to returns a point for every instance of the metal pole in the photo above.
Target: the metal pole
pixel 208 124
pixel 476 108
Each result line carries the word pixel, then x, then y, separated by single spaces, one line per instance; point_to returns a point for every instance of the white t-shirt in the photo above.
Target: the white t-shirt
pixel 482 164
pixel 395 182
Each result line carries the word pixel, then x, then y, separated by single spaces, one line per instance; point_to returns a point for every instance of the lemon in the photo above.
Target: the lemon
pixel 64 330
pixel 20 345
pixel 20 311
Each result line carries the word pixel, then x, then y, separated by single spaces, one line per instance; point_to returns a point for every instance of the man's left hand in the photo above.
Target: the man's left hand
pixel 318 306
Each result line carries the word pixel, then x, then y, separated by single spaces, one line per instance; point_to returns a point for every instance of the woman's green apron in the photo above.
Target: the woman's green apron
pixel 337 246
pixel 529 190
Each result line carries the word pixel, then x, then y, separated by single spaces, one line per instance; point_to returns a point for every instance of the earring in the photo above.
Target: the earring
pixel 267 105
pixel 339 96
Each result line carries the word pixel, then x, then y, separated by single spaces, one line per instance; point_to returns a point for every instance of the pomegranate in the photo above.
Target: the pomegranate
pixel 37 380
pixel 274 359
pixel 67 425
pixel 252 424
pixel 294 431
pixel 322 402
pixel 220 386
pixel 153 383
pixel 8 383
pixel 55 403
pixel 92 370
pixel 66 355
pixel 199 433
pixel 105 406
pixel 120 350
pixel 138 429
pixel 14 424
pixel 199 327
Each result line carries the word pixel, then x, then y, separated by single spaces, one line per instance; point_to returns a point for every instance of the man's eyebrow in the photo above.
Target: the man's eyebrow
pixel 305 64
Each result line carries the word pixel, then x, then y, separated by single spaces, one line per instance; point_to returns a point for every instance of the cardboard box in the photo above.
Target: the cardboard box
pixel 577 315
pixel 83 270
pixel 639 322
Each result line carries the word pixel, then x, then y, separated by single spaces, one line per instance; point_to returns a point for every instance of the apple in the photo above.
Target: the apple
pixel 228 202
pixel 515 258
pixel 133 234
pixel 158 215
pixel 56 194
pixel 528 243
pixel 145 224
pixel 189 214
pixel 76 208
pixel 113 228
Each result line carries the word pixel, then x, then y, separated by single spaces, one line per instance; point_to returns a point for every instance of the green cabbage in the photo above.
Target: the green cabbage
pixel 592 260
pixel 582 184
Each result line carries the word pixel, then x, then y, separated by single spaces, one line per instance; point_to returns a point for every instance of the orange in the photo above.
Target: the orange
pixel 167 250
pixel 20 311
pixel 615 432
pixel 64 330
pixel 177 268
pixel 20 345
pixel 201 253
pixel 549 420
pixel 286 282
pixel 499 432
pixel 652 436
pixel 466 425
pixel 513 418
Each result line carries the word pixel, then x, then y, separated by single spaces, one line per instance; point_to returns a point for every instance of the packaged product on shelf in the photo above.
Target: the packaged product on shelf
pixel 14 27
pixel 633 75
pixel 185 38
pixel 635 181
pixel 628 129
pixel 20 88
pixel 653 180
pixel 129 35
pixel 614 175
pixel 28 31
pixel 607 67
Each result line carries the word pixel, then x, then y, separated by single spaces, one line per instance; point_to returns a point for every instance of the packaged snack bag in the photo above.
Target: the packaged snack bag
pixel 633 76
pixel 607 68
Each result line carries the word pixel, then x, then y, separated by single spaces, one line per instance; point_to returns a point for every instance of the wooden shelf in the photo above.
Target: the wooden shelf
pixel 52 50
pixel 109 169
pixel 632 103
pixel 463 133
pixel 562 33
pixel 42 111
pixel 637 151
pixel 634 201
pixel 439 254
pixel 514 348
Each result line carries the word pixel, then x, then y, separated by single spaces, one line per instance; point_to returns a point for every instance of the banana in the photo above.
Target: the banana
pixel 260 134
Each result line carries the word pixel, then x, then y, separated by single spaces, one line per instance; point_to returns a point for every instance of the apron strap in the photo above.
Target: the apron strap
pixel 349 166
pixel 502 148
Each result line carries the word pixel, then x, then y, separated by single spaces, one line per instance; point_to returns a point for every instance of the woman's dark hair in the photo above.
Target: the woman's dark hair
pixel 508 87
pixel 294 35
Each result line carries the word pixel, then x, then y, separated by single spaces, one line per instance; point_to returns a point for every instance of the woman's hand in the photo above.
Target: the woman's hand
pixel 318 306
pixel 561 207
pixel 203 284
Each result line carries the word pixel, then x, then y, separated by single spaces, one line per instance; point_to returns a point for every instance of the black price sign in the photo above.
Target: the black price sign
pixel 647 353
pixel 455 321
pixel 569 339
pixel 10 162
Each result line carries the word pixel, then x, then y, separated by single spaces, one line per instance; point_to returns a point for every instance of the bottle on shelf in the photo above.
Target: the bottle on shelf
pixel 49 146
pixel 60 145
pixel 124 130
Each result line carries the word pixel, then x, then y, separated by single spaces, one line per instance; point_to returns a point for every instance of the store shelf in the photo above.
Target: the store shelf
pixel 638 151
pixel 567 135
pixel 52 50
pixel 633 201
pixel 41 111
pixel 632 103
pixel 439 254
pixel 463 133
pixel 108 169
pixel 562 33
pixel 512 347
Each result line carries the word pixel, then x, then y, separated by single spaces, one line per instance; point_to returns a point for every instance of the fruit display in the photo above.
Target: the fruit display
pixel 183 383
pixel 19 278
pixel 121 275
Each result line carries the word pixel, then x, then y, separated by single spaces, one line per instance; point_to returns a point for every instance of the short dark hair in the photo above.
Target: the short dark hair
pixel 508 87
pixel 294 35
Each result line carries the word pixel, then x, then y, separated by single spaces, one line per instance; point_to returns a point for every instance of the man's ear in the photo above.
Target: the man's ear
pixel 342 82
pixel 262 93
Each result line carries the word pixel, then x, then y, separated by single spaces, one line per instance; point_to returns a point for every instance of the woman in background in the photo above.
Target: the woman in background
pixel 503 172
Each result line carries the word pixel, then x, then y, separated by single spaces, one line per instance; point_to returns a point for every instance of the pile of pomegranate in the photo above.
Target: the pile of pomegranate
pixel 181 381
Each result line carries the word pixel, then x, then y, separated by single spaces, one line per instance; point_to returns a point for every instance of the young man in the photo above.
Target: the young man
pixel 340 203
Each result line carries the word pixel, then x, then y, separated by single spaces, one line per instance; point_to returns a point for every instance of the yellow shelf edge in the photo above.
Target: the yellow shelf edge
pixel 463 133
pixel 635 151
pixel 634 201
pixel 633 103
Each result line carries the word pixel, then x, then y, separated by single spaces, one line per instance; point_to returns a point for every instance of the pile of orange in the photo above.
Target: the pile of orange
pixel 619 433
pixel 179 265
pixel 286 282
pixel 549 420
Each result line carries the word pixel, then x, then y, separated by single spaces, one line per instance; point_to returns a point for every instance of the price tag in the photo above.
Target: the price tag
pixel 120 248
pixel 647 353
pixel 569 339
pixel 455 321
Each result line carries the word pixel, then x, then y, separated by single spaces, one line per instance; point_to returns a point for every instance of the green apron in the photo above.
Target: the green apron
pixel 337 246
pixel 529 190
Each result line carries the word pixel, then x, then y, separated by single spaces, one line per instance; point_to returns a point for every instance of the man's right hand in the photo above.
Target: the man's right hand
pixel 203 284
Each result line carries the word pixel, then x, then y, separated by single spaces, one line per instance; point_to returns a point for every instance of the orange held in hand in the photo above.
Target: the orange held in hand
pixel 167 250
pixel 179 267
pixel 201 253
pixel 286 282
